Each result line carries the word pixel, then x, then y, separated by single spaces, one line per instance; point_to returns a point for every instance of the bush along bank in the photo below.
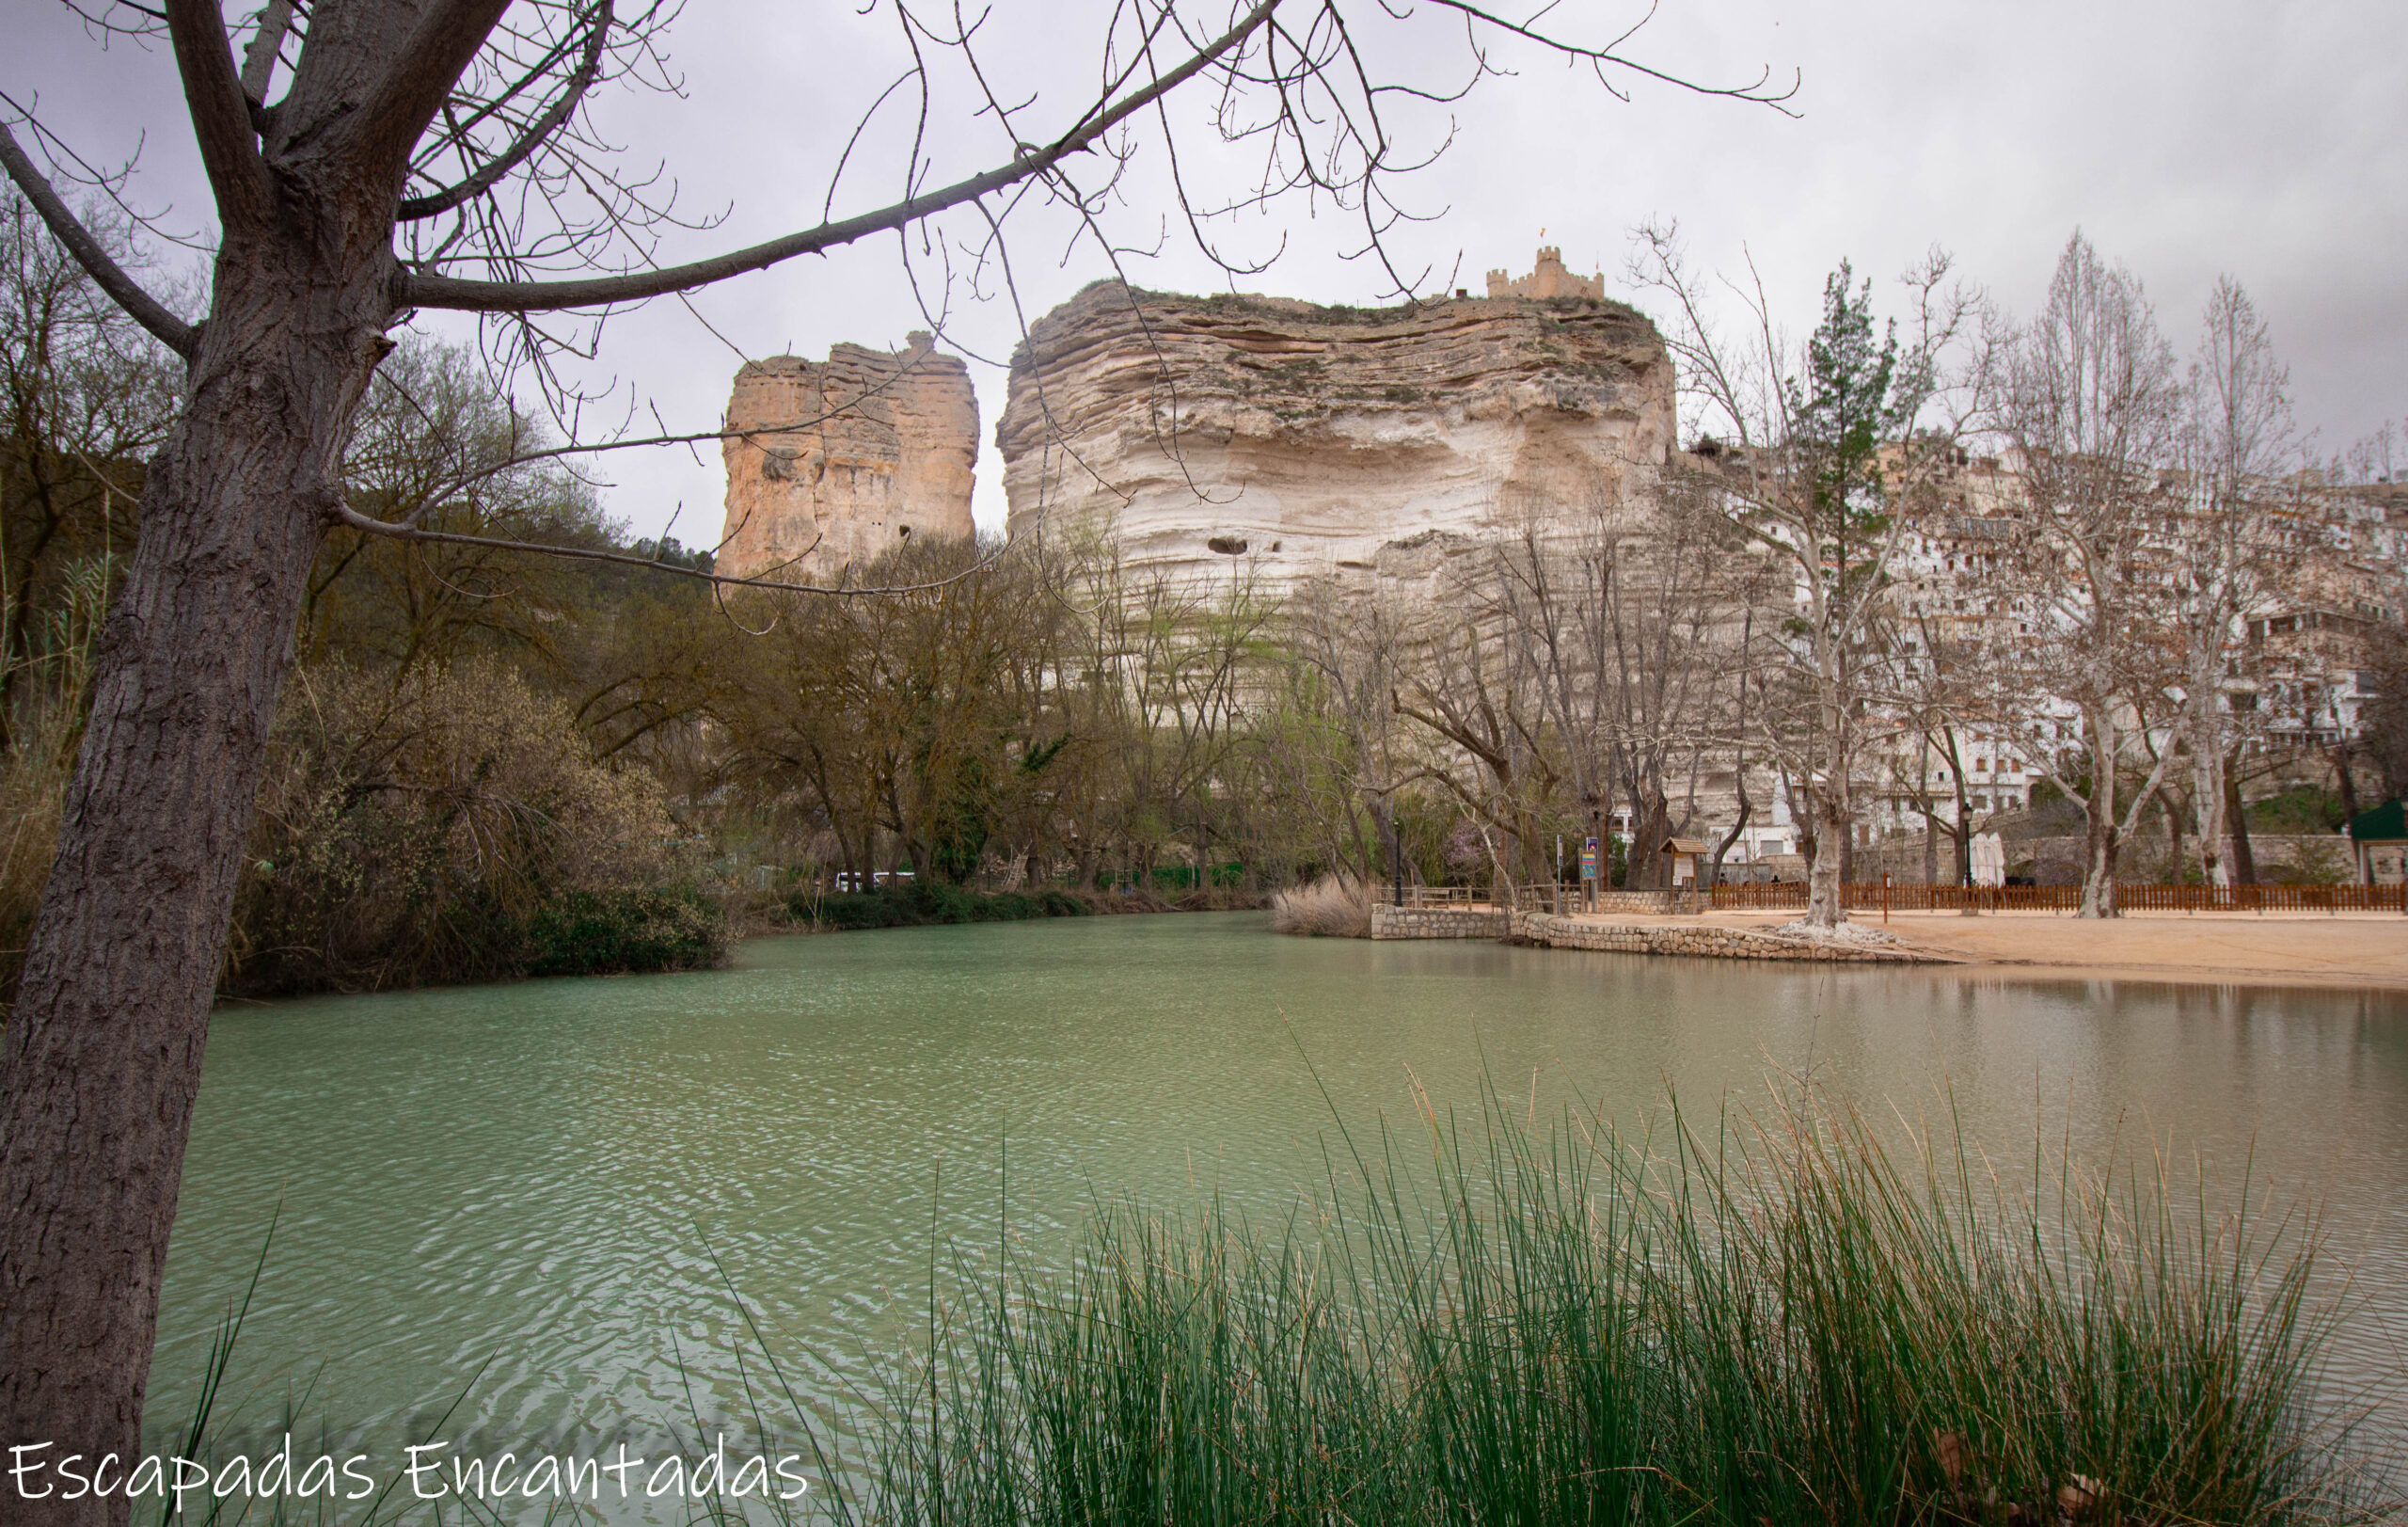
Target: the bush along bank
pixel 450 824
pixel 915 905
pixel 637 932
pixel 626 933
pixel 919 905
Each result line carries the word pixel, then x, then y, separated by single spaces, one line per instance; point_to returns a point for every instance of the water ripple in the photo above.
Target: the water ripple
pixel 546 1179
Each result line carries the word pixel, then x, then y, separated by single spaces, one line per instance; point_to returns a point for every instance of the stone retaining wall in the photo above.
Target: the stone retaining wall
pixel 1700 940
pixel 1437 922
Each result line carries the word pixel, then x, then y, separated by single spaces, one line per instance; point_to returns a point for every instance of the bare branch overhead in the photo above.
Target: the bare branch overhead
pixel 538 132
pixel 221 117
pixel 515 296
pixel 122 289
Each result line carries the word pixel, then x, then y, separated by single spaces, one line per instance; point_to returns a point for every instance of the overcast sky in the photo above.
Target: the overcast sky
pixel 2188 138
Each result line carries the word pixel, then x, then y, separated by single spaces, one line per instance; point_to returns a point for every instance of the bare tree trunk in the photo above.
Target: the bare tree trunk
pixel 1826 899
pixel 1714 876
pixel 2174 859
pixel 2099 870
pixel 2208 790
pixel 2099 857
pixel 2245 861
pixel 104 1048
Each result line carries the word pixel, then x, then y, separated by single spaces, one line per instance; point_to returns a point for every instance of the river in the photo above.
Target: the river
pixel 546 1181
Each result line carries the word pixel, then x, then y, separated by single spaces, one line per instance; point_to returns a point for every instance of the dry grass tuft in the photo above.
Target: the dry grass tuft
pixel 1334 906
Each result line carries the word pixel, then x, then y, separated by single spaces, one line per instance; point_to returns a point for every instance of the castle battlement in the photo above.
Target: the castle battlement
pixel 1547 279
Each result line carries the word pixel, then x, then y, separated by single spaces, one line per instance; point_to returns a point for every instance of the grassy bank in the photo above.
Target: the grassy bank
pixel 1780 1324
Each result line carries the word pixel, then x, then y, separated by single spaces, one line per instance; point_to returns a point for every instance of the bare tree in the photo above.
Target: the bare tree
pixel 429 154
pixel 2091 410
pixel 1580 656
pixel 1627 620
pixel 84 394
pixel 1342 721
pixel 1468 679
pixel 1829 448
pixel 2236 437
pixel 1936 686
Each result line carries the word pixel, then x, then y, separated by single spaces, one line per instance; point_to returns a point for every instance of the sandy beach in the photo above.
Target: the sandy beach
pixel 2359 949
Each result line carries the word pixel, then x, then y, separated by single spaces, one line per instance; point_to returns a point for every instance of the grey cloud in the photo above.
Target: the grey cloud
pixel 2187 139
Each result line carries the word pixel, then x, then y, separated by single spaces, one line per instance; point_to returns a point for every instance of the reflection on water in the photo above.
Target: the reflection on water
pixel 537 1176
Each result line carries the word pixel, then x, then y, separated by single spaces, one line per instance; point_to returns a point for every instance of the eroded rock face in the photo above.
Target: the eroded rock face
pixel 845 458
pixel 1310 439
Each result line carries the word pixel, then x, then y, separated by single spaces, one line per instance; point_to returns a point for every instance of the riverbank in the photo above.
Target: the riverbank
pixel 2343 949
pixel 809 909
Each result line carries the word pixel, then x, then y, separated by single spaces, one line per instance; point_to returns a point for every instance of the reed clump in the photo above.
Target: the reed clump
pixel 1333 906
pixel 1777 1322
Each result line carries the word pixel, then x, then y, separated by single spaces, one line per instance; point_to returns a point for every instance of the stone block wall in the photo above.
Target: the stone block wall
pixel 1703 940
pixel 1437 922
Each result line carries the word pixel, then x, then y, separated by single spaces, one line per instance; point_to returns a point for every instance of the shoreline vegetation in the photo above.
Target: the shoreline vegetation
pixel 1764 1317
pixel 810 909
pixel 1771 1319
pixel 487 765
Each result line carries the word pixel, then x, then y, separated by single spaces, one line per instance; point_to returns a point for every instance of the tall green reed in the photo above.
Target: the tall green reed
pixel 1776 1320
pixel 1766 1318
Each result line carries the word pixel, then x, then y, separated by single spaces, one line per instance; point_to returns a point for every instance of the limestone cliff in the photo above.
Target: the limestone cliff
pixel 1321 439
pixel 840 461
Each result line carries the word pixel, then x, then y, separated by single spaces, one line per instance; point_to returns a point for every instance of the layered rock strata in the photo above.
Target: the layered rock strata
pixel 837 462
pixel 1310 439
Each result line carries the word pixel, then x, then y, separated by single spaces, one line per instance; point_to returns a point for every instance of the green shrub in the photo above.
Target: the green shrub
pixel 626 932
pixel 418 828
pixel 2301 809
pixel 915 905
pixel 852 910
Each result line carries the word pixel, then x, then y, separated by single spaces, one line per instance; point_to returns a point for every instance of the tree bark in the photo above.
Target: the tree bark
pixel 2207 774
pixel 1713 875
pixel 2174 861
pixel 2100 852
pixel 2342 778
pixel 103 1049
pixel 1826 895
pixel 2245 861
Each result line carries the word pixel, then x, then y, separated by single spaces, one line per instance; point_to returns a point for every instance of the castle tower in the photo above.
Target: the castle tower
pixel 1548 280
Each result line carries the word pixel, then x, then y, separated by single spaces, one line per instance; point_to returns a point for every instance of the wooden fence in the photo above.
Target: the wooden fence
pixel 1443 895
pixel 2129 898
pixel 1791 897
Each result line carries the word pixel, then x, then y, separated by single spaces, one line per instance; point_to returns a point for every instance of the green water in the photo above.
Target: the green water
pixel 526 1178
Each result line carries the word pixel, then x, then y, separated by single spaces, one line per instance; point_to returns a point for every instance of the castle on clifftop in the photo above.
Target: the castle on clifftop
pixel 1548 280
